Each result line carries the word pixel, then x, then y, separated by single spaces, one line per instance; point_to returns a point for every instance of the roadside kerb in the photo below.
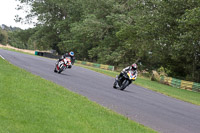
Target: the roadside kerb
pixel 182 84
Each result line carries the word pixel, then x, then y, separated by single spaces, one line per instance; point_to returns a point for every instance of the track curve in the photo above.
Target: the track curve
pixel 157 111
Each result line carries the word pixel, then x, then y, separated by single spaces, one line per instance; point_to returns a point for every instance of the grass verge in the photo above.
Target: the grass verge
pixel 184 95
pixel 30 104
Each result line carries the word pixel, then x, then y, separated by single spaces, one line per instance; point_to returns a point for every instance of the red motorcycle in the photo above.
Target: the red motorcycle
pixel 63 64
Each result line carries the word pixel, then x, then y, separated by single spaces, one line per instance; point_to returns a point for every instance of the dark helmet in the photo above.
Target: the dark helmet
pixel 71 53
pixel 134 66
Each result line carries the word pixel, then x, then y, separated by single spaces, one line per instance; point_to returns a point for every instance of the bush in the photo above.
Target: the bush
pixel 3 37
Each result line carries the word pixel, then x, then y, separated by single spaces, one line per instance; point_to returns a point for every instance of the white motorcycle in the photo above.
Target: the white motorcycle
pixel 124 81
pixel 63 64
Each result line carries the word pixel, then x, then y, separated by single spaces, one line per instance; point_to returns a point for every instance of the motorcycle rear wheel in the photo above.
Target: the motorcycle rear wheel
pixel 124 85
pixel 61 69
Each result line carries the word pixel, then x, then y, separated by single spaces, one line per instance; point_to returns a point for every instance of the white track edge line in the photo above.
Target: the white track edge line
pixel 2 57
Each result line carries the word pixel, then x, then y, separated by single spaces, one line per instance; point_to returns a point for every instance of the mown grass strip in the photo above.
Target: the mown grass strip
pixel 185 95
pixel 30 104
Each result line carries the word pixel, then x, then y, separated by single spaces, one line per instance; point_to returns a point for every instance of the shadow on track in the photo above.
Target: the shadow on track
pixel 64 74
pixel 125 91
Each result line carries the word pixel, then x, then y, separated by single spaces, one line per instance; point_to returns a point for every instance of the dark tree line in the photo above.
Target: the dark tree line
pixel 159 33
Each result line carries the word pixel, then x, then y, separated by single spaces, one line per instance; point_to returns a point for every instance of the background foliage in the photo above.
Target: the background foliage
pixel 156 33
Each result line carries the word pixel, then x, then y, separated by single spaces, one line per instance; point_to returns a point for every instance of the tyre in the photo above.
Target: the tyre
pixel 124 84
pixel 69 66
pixel 115 84
pixel 55 70
pixel 61 69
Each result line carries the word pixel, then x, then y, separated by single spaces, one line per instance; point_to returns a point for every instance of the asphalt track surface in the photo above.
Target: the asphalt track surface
pixel 157 111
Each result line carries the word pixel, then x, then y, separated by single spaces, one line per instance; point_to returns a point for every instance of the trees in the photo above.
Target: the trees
pixel 117 32
pixel 189 41
pixel 3 37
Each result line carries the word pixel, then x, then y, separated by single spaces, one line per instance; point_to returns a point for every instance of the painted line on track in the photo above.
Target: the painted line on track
pixel 2 57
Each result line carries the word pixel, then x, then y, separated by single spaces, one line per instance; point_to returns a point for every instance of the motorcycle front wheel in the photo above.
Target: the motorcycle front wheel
pixel 115 84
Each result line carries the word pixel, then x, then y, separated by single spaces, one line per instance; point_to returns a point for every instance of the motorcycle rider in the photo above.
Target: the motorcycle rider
pixel 70 54
pixel 133 68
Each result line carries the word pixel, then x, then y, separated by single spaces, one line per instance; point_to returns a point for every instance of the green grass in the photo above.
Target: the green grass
pixel 30 104
pixel 184 95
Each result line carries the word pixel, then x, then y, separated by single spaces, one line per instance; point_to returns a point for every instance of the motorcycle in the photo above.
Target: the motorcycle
pixel 63 64
pixel 124 81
